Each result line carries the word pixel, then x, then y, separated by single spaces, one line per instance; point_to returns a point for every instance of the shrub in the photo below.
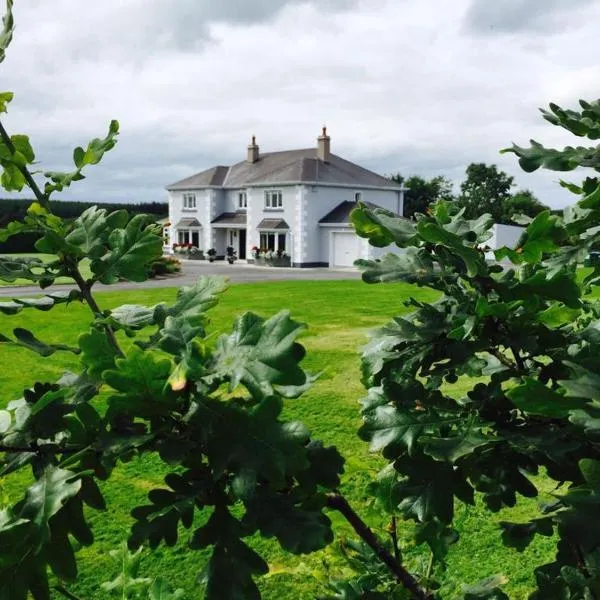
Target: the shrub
pixel 165 265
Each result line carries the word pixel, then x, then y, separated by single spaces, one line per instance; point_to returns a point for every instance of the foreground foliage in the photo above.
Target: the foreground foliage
pixel 527 336
pixel 210 410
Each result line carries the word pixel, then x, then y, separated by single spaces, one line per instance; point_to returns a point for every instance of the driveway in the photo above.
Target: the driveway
pixel 192 269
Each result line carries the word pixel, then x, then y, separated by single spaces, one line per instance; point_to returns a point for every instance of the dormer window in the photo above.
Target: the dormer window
pixel 189 201
pixel 242 200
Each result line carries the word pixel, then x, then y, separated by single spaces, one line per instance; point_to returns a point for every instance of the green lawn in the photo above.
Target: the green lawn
pixel 339 314
pixel 84 265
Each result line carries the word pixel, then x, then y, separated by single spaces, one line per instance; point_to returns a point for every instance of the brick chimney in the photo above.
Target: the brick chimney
pixel 323 146
pixel 253 154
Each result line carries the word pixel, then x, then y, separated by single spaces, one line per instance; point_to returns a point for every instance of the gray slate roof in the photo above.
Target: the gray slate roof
pixel 231 218
pixel 211 177
pixel 341 213
pixel 273 224
pixel 285 167
pixel 189 222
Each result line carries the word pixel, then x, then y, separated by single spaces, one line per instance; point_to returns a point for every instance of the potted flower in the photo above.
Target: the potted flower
pixel 231 254
pixel 211 252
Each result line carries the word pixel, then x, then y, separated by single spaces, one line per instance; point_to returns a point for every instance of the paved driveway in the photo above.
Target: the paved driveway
pixel 192 269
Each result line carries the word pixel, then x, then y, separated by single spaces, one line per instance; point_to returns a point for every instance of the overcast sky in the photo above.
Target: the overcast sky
pixel 413 86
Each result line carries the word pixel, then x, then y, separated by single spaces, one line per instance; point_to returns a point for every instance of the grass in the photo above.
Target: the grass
pixel 339 314
pixel 84 265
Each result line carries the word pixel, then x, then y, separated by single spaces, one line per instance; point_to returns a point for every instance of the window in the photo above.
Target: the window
pixel 188 236
pixel 357 196
pixel 274 199
pixel 242 200
pixel 269 240
pixel 189 201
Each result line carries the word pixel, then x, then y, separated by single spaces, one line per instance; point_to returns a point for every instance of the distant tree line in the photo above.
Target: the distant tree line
pixel 15 209
pixel 485 189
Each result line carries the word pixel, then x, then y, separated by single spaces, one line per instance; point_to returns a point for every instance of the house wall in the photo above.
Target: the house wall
pixel 319 200
pixel 202 212
pixel 303 207
pixel 504 235
pixel 256 212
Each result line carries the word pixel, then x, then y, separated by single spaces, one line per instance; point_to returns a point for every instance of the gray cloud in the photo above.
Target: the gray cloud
pixel 399 85
pixel 511 16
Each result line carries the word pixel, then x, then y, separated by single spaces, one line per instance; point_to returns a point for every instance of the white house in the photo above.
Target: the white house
pixel 295 201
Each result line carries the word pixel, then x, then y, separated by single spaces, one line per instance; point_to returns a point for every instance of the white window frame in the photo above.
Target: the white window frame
pixel 242 200
pixel 276 233
pixel 189 201
pixel 273 199
pixel 357 196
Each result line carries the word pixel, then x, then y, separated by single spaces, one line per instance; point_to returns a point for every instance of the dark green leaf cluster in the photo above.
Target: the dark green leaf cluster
pixel 523 331
pixel 211 411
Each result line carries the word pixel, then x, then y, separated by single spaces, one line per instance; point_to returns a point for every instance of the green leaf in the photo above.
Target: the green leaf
pixel 26 339
pixel 23 154
pixel 473 259
pixel 558 315
pixel 5 421
pixel 5 98
pixel 451 448
pixel 299 530
pixel 92 229
pixel 161 590
pixel 535 398
pixel 32 269
pixel 591 471
pixel 387 426
pixel 487 589
pixel 6 33
pixel 91 156
pixel 232 564
pixel 412 266
pixel 128 580
pixel 140 378
pixel 134 316
pixel 193 301
pixel 130 251
pixel 381 227
pixel 43 303
pixel 253 444
pixel 47 496
pixel 261 354
pixel 98 354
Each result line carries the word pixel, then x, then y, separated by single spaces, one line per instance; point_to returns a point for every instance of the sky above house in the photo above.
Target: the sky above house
pixel 412 86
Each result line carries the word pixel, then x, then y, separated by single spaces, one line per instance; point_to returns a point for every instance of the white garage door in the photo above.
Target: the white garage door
pixel 345 248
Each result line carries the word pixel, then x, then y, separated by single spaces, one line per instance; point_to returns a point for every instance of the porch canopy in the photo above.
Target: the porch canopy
pixel 231 220
pixel 188 222
pixel 272 224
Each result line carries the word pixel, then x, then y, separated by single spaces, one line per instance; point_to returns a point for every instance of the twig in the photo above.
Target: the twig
pixel 339 503
pixel 35 449
pixel 518 359
pixel 66 593
pixel 41 197
pixel 86 292
pixel 394 536
pixel 505 361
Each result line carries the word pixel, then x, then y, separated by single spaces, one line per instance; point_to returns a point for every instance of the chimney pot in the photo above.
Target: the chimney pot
pixel 253 151
pixel 324 146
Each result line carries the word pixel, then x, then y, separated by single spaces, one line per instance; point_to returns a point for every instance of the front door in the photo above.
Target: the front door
pixel 242 247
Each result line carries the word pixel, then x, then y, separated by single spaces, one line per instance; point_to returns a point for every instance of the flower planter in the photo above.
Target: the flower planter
pixel 283 261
